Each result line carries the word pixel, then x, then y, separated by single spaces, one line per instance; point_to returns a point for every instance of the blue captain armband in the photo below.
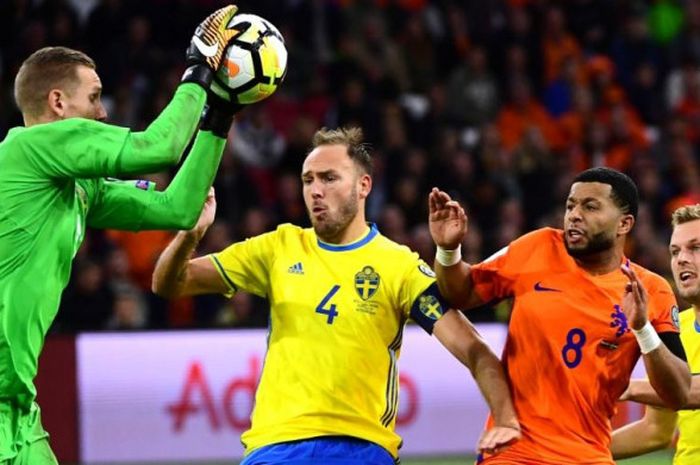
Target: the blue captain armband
pixel 428 308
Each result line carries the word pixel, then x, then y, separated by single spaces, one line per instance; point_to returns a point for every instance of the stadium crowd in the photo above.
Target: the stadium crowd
pixel 498 102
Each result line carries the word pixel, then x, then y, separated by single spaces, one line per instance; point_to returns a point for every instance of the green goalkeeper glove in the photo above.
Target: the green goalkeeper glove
pixel 207 47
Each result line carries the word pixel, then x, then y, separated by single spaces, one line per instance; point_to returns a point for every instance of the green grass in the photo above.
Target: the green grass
pixel 656 458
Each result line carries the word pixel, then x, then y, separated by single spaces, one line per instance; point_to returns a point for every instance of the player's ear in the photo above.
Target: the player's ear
pixel 56 103
pixel 365 186
pixel 626 224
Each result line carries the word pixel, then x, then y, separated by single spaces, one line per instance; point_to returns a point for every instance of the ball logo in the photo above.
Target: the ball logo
pixel 233 68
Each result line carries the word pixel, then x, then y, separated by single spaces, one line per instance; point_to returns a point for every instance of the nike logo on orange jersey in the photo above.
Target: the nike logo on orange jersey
pixel 539 287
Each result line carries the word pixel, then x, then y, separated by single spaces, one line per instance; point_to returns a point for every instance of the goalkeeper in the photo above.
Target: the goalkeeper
pixel 52 185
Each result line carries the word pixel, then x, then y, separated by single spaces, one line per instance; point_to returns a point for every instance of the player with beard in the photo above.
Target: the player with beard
pixel 340 294
pixel 582 315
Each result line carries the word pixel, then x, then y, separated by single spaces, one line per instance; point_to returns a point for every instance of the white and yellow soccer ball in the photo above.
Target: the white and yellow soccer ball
pixel 254 63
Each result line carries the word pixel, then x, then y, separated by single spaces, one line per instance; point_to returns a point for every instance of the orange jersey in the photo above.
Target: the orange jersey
pixel 569 352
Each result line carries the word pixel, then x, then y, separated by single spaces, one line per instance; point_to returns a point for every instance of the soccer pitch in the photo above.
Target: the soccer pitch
pixel 656 458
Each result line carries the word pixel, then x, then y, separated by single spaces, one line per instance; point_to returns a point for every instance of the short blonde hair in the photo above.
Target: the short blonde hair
pixel 352 138
pixel 685 214
pixel 47 68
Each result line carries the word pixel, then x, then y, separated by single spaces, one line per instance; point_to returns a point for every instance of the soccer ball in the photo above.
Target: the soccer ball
pixel 254 63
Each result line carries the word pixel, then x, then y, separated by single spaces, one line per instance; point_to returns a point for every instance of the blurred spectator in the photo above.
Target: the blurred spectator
pixel 679 82
pixel 473 91
pixel 665 19
pixel 422 242
pixel 255 222
pixel 646 94
pixel 418 54
pixel 559 93
pixel 516 52
pixel 457 41
pixel 87 305
pixel 575 122
pixel 259 147
pixel 129 312
pixel 290 205
pixel 523 112
pixel 392 224
pixel 633 47
pixel 687 44
pixel 558 44
pixel 591 22
pixel 688 107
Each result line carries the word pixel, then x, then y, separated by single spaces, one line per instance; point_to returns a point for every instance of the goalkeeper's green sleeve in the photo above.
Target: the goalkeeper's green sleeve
pixel 84 148
pixel 120 205
pixel 164 141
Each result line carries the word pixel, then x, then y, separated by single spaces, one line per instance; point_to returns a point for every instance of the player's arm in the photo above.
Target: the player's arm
pixel 459 336
pixel 669 376
pixel 167 137
pixel 203 57
pixel 448 225
pixel 82 148
pixel 668 373
pixel 640 390
pixel 177 274
pixel 123 207
pixel 92 149
pixel 654 431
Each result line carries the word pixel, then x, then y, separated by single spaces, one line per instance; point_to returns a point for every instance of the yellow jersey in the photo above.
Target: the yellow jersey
pixel 688 447
pixel 337 314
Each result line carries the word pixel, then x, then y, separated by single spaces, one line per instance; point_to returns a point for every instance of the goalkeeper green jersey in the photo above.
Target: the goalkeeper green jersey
pixel 52 185
pixel 42 224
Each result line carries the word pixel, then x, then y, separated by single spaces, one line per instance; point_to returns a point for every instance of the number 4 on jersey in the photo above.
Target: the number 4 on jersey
pixel 330 311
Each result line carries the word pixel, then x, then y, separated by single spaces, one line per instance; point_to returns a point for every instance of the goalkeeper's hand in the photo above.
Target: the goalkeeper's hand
pixel 208 45
pixel 218 115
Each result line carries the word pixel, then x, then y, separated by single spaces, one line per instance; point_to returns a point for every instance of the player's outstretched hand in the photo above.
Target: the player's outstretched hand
pixel 498 439
pixel 634 302
pixel 447 220
pixel 206 218
pixel 206 50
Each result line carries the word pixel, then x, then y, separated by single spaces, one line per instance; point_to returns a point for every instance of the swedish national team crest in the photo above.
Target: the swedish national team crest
pixel 366 282
pixel 430 307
